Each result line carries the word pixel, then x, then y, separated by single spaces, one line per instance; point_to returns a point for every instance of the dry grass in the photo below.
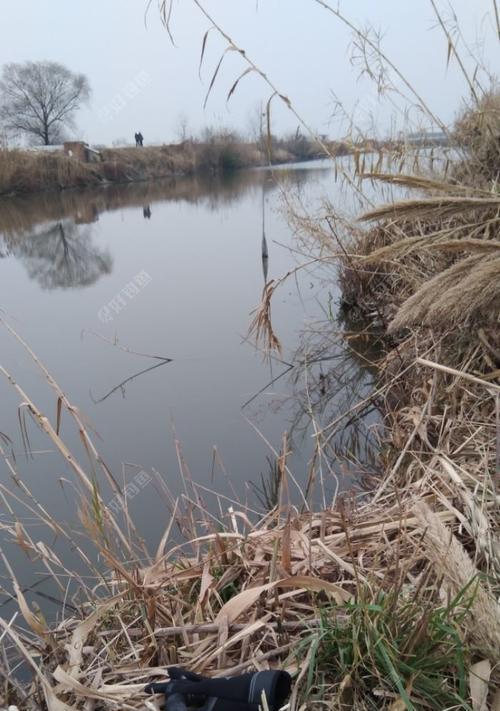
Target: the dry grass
pixel 432 260
pixel 242 591
pixel 261 328
pixel 477 129
pixel 25 172
pixel 216 154
pixel 468 292
pixel 28 172
pixel 427 276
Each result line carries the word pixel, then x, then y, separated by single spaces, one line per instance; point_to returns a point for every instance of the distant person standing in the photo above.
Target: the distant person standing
pixel 140 139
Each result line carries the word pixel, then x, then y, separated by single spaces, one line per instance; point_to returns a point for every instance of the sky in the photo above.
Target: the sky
pixel 141 81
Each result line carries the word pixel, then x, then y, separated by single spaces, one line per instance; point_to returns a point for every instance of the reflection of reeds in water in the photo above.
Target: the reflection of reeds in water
pixel 332 381
pixel 265 259
pixel 264 247
pixel 20 214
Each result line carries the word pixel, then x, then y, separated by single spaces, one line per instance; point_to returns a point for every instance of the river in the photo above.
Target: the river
pixel 138 299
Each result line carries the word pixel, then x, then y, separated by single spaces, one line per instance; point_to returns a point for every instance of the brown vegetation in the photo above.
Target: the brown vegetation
pixel 30 171
pixel 477 130
pixel 427 277
pixel 423 278
pixel 217 154
pixel 33 171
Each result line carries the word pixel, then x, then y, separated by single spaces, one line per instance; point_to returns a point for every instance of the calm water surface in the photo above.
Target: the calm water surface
pixel 99 281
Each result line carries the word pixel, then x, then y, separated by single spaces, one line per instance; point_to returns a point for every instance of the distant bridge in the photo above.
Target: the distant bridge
pixel 427 138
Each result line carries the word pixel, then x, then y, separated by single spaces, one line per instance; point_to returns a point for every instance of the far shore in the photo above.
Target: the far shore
pixel 32 171
pixel 24 171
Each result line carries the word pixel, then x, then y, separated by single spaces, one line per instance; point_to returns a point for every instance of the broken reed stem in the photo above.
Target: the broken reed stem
pixel 491 387
pixel 213 627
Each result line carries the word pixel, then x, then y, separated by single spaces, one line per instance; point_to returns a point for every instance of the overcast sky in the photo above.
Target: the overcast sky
pixel 140 81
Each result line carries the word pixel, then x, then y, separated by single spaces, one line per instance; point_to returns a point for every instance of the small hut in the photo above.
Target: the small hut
pixel 82 151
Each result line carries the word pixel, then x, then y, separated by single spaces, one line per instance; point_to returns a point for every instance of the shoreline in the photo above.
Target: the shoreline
pixel 25 172
pixel 30 172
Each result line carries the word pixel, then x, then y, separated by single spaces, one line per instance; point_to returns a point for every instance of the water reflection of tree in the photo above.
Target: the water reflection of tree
pixel 62 256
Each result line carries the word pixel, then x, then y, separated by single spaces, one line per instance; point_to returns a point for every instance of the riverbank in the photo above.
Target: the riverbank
pixel 31 171
pixel 25 172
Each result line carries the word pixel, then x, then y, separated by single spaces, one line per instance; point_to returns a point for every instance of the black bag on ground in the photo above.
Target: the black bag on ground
pixel 238 693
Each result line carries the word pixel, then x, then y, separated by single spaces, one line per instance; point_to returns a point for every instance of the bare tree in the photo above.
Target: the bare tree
pixel 39 99
pixel 256 124
pixel 182 127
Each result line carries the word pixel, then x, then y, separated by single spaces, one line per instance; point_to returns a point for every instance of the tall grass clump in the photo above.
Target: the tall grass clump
pixel 29 171
pixel 392 645
pixel 477 130
pixel 424 272
pixel 224 151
